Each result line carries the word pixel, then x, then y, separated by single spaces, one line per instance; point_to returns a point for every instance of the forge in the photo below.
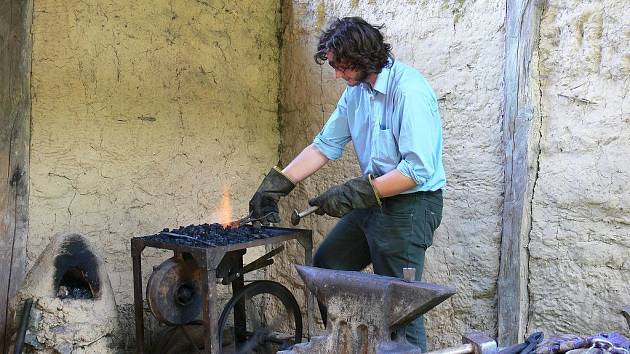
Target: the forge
pixel 74 310
pixel 183 289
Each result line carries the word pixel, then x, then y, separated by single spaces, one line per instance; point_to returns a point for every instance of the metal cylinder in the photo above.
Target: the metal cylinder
pixel 19 342
pixel 409 274
pixel 462 349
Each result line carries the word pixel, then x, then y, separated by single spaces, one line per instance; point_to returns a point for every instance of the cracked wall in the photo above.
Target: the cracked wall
pixel 579 246
pixel 459 47
pixel 143 114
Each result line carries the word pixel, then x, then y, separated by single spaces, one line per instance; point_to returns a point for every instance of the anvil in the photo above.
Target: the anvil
pixel 365 309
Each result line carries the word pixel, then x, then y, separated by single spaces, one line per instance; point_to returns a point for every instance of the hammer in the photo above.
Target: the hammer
pixel 296 216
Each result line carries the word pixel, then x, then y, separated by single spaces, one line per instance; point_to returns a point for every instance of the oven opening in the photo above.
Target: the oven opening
pixel 74 285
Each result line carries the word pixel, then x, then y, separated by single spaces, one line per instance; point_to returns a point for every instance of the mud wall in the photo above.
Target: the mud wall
pixel 579 246
pixel 459 47
pixel 144 114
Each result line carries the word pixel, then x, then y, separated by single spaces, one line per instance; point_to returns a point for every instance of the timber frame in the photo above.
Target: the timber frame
pixel 15 117
pixel 521 147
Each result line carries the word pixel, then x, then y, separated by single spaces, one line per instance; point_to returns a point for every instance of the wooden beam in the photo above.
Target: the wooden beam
pixel 15 117
pixel 520 142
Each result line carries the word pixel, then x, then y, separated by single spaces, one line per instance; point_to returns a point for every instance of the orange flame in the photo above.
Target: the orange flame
pixel 223 212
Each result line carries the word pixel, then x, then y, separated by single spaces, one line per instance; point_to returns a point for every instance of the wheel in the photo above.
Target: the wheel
pixel 273 320
pixel 174 292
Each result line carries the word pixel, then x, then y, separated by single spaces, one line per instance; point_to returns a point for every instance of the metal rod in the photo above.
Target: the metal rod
pixel 136 253
pixel 240 316
pixel 26 312
pixel 462 349
pixel 263 260
pixel 188 238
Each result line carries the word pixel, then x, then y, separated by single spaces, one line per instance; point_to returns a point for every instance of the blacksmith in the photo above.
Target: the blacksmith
pixel 389 112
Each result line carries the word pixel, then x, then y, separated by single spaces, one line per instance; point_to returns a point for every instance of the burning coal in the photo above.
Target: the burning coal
pixel 75 271
pixel 216 235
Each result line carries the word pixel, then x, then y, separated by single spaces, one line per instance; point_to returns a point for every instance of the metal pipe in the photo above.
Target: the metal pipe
pixel 26 312
pixel 462 349
pixel 196 239
pixel 409 274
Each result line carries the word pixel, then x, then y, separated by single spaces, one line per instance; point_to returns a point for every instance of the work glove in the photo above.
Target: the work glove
pixel 357 193
pixel 264 203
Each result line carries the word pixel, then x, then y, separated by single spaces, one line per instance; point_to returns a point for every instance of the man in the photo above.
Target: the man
pixel 389 111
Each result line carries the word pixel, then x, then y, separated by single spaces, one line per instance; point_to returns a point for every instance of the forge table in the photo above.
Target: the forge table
pixel 208 256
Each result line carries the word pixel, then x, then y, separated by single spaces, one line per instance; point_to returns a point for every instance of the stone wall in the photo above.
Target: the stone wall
pixel 144 114
pixel 459 47
pixel 579 246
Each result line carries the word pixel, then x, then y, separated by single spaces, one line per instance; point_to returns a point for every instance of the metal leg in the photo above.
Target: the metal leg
pixel 136 252
pixel 306 240
pixel 240 317
pixel 210 262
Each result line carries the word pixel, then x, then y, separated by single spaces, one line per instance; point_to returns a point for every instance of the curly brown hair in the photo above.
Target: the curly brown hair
pixel 355 43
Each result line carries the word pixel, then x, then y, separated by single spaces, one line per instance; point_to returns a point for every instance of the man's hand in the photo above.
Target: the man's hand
pixel 357 193
pixel 264 203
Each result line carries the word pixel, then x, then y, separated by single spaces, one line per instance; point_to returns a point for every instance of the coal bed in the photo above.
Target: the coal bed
pixel 215 235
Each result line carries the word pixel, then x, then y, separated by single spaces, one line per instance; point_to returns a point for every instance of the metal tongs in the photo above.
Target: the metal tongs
pixel 256 222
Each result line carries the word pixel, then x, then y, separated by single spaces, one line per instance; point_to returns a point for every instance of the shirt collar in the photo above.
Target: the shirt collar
pixel 383 77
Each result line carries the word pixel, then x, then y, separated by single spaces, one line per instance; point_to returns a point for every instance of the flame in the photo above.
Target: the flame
pixel 223 212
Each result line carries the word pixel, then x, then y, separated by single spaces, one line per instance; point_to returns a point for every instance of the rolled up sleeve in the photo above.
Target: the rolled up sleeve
pixel 420 136
pixel 335 134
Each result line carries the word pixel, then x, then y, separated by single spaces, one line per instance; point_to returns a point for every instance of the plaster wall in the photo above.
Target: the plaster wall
pixel 459 47
pixel 144 114
pixel 579 268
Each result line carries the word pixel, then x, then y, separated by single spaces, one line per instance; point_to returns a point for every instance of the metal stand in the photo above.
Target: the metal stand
pixel 209 259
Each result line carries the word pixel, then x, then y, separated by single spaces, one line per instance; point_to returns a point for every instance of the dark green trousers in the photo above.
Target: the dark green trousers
pixel 391 237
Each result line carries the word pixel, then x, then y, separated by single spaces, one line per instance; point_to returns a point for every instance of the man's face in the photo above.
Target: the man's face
pixel 345 71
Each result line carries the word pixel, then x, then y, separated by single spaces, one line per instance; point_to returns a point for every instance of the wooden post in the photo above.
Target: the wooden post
pixel 15 118
pixel 521 139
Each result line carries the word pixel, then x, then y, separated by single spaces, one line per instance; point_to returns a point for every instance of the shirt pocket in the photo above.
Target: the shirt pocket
pixel 385 155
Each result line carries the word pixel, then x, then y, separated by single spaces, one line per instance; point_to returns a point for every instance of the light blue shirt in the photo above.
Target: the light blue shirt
pixel 395 125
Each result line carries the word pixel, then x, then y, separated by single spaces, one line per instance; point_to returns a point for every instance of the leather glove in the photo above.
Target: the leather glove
pixel 357 193
pixel 264 203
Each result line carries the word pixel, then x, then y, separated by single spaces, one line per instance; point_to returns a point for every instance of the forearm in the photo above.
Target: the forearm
pixel 305 164
pixel 392 183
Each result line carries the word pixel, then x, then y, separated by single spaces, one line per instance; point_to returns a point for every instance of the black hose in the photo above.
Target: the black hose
pixel 26 312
